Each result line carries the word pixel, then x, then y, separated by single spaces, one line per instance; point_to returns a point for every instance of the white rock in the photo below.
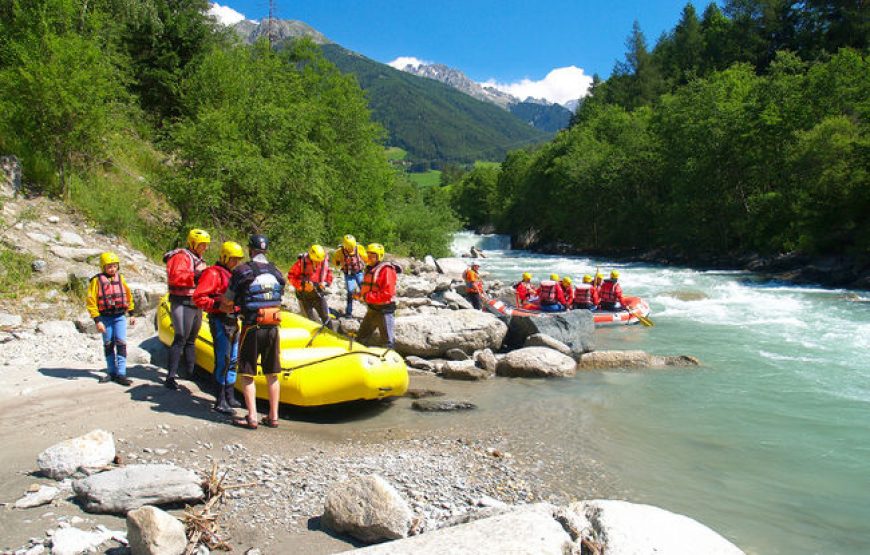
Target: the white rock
pixel 630 528
pixel 151 531
pixel 74 541
pixel 9 320
pixel 528 531
pixel 367 508
pixel 432 335
pixel 94 449
pixel 536 362
pixel 70 238
pixel 58 328
pixel 452 266
pixel 38 237
pixel 45 494
pixel 53 219
pixel 543 340
pixel 124 489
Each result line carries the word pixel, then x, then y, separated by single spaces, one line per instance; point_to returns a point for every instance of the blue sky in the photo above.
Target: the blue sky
pixel 507 42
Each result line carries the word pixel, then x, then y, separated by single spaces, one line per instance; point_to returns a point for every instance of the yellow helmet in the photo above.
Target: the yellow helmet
pixel 316 253
pixel 527 276
pixel 377 249
pixel 349 242
pixel 566 280
pixel 554 277
pixel 108 258
pixel 599 275
pixel 614 274
pixel 197 236
pixel 587 279
pixel 230 249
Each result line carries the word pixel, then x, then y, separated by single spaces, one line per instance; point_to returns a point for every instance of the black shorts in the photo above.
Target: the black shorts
pixel 260 342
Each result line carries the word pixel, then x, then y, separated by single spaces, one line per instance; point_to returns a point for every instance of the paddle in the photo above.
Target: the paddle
pixel 641 318
pixel 320 329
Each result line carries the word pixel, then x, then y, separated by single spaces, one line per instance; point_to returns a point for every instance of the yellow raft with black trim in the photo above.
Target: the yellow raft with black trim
pixel 328 370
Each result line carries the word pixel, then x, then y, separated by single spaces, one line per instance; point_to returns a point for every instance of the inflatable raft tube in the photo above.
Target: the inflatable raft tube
pixel 331 370
pixel 635 305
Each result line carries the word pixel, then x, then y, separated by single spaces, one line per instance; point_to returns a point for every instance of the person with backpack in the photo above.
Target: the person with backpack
pixel 109 301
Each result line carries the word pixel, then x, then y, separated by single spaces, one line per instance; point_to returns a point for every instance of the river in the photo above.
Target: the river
pixel 768 442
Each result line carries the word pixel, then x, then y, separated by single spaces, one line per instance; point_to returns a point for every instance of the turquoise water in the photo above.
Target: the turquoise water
pixel 768 442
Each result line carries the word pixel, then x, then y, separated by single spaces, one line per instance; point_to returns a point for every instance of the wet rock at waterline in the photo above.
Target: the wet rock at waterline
pixel 441 405
pixel 464 370
pixel 632 359
pixel 367 508
pixel 576 329
pixel 486 359
pixel 536 362
pixel 543 340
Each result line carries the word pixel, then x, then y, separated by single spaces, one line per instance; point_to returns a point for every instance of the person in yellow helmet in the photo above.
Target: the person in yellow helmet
pixel 310 276
pixel 351 258
pixel 108 301
pixel 183 269
pixel 378 291
pixel 567 291
pixel 224 326
pixel 611 293
pixel 525 290
pixel 586 295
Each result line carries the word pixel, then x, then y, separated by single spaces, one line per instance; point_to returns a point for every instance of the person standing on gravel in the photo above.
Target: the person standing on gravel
pixel 224 326
pixel 310 276
pixel 183 269
pixel 108 301
pixel 378 291
pixel 350 257
pixel 256 287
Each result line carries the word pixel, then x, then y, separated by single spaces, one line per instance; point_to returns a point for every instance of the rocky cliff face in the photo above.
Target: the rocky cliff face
pixel 461 82
pixel 280 30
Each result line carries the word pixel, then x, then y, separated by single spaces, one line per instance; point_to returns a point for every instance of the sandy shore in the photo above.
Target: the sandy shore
pixel 443 471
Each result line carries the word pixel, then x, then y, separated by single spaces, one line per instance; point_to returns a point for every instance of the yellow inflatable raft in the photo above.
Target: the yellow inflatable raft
pixel 324 371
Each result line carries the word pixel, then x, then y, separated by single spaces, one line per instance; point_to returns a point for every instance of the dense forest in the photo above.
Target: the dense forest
pixel 152 119
pixel 744 129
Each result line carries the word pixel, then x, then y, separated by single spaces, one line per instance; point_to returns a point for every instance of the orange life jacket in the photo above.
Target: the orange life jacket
pixel 472 281
pixel 111 296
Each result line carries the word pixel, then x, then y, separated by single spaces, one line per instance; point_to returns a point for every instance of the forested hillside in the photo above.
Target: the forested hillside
pixel 430 120
pixel 152 120
pixel 744 129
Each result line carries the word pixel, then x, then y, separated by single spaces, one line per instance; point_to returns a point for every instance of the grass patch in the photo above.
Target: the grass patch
pixel 15 273
pixel 430 178
pixel 395 153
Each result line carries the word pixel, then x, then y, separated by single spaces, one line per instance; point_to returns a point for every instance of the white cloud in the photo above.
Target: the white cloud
pixel 225 14
pixel 560 85
pixel 402 61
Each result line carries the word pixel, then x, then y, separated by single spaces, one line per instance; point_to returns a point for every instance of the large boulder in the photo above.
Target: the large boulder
pixel 575 328
pixel 632 359
pixel 421 286
pixel 92 450
pixel 452 300
pixel 432 335
pixel 152 531
pixel 124 489
pixel 536 362
pixel 367 508
pixel 541 340
pixel 452 266
pixel 629 528
pixel 530 530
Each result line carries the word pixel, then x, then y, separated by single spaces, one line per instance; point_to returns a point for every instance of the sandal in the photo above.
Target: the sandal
pixel 244 423
pixel 268 422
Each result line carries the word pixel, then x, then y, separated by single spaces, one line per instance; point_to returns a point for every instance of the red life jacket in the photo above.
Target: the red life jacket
pixel 223 276
pixel 351 264
pixel 583 294
pixel 308 270
pixel 111 296
pixel 370 288
pixel 610 291
pixel 197 267
pixel 547 293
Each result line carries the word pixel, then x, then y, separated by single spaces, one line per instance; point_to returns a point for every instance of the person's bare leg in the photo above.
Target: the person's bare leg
pixel 274 396
pixel 249 390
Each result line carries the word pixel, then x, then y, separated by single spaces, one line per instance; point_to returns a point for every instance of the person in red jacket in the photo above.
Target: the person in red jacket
pixel 525 292
pixel 183 269
pixel 550 295
pixel 224 326
pixel 310 276
pixel 378 291
pixel 567 291
pixel 611 293
pixel 586 294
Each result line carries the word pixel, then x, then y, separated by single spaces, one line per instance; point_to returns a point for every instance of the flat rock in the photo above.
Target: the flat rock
pixel 464 370
pixel 58 328
pixel 441 405
pixel 451 266
pixel 92 450
pixel 575 328
pixel 71 238
pixel 630 528
pixel 456 354
pixel 423 393
pixel 536 362
pixel 9 320
pixel 452 300
pixel 74 253
pixel 38 237
pixel 432 335
pixel 152 531
pixel 543 340
pixel 367 508
pixel 124 489
pixel 632 359
pixel 43 495
pixel 420 363
pixel 526 531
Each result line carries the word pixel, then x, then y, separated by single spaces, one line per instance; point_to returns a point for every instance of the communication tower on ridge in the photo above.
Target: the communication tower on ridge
pixel 271 28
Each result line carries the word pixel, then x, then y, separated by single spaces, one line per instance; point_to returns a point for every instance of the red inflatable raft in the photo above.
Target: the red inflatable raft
pixel 627 316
